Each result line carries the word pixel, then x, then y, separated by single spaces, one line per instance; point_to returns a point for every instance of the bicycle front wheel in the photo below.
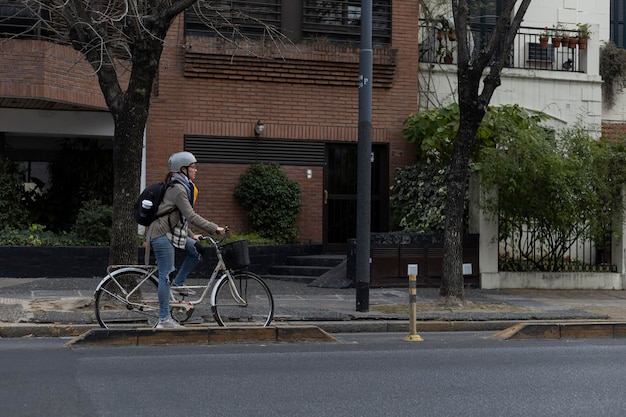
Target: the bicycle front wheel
pixel 257 308
pixel 127 299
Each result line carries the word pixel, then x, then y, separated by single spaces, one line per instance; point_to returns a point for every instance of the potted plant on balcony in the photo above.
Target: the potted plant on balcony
pixel 451 30
pixel 446 54
pixel 557 37
pixel 543 38
pixel 445 28
pixel 452 35
pixel 583 35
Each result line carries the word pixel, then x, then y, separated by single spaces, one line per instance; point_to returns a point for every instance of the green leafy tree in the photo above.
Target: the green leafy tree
pixel 272 200
pixel 419 192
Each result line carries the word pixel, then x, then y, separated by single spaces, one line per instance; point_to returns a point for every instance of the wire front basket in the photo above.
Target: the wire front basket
pixel 236 255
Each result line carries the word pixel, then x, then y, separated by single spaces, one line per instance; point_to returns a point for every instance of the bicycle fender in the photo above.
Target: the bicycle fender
pixel 119 271
pixel 215 286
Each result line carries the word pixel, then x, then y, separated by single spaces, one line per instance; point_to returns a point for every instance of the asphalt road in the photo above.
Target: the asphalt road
pixel 448 374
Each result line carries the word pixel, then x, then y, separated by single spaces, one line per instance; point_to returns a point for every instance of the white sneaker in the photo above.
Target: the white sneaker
pixel 183 291
pixel 167 323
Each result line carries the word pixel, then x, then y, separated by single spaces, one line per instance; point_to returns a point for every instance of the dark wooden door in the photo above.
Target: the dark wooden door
pixel 340 185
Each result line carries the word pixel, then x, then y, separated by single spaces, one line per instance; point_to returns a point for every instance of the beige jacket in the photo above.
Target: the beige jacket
pixel 176 202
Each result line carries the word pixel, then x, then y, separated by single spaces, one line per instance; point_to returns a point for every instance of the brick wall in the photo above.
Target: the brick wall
pixel 194 98
pixel 206 88
pixel 614 131
pixel 42 70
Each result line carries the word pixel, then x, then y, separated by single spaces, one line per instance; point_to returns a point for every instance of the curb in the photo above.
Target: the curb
pixel 399 326
pixel 206 335
pixel 303 331
pixel 575 330
pixel 15 330
pixel 12 330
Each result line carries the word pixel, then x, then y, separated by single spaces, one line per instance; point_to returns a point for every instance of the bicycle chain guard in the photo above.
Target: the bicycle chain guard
pixel 182 313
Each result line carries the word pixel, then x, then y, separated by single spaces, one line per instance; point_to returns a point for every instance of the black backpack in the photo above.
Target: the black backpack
pixel 147 204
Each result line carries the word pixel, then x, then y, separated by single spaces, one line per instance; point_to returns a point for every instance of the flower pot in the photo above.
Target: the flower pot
pixel 556 41
pixel 447 59
pixel 543 43
pixel 452 35
pixel 573 42
pixel 582 43
pixel 440 34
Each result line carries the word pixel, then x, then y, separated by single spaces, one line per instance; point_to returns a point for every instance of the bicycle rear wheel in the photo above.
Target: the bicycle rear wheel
pixel 258 309
pixel 127 299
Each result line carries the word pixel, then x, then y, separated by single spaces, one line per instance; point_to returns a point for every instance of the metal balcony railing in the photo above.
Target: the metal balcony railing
pixel 529 51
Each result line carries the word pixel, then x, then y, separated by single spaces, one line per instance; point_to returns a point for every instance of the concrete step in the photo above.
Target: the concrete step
pixel 304 268
pixel 316 260
pixel 291 278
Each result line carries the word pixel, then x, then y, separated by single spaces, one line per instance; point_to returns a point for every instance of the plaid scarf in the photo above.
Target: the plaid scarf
pixel 179 232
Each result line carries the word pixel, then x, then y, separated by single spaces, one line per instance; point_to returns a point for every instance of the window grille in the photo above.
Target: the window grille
pixel 336 20
pixel 233 18
pixel 340 20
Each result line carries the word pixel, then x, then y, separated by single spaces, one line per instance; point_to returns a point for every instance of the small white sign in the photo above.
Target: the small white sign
pixel 467 269
pixel 412 269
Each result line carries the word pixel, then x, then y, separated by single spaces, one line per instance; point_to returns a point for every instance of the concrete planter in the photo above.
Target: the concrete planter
pixel 553 280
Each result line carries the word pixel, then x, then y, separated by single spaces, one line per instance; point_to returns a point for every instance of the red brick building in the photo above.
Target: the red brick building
pixel 208 97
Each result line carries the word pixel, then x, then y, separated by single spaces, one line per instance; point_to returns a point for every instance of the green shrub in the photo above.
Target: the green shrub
pixel 272 201
pixel 81 171
pixel 94 222
pixel 252 238
pixel 418 198
pixel 553 192
pixel 37 235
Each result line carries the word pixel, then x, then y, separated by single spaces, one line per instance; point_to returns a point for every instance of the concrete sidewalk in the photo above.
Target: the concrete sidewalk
pixel 64 307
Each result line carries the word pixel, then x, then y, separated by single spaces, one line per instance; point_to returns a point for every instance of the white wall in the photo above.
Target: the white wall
pixel 569 13
pixel 565 96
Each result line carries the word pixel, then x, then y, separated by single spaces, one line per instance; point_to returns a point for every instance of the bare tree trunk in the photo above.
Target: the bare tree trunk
pixel 127 147
pixel 130 121
pixel 451 290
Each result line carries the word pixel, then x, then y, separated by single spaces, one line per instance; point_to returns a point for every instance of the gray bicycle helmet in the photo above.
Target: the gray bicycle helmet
pixel 181 159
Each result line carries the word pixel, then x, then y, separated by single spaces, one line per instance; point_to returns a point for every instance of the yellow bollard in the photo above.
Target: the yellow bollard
pixel 413 336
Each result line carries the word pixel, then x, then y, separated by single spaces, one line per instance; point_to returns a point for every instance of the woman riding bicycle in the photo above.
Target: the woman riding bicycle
pixel 171 230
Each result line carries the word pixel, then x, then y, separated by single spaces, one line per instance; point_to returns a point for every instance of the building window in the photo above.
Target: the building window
pixel 483 19
pixel 618 18
pixel 340 21
pixel 233 18
pixel 332 20
pixel 22 21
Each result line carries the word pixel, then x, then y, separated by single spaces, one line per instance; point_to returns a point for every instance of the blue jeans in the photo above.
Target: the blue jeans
pixel 165 258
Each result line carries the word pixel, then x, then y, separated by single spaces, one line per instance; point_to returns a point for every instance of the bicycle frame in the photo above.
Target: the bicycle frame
pixel 148 271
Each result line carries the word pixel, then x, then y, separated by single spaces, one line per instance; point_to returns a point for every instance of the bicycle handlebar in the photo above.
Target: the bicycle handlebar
pixel 214 241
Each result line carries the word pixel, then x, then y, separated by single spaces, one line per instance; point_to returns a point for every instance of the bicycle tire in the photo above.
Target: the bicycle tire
pixel 116 309
pixel 259 307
